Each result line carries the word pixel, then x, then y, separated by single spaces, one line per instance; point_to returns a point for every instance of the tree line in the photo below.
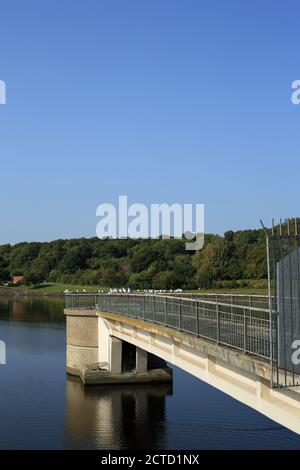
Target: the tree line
pixel 225 261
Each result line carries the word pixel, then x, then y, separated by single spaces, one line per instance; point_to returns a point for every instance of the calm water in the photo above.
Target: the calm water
pixel 41 408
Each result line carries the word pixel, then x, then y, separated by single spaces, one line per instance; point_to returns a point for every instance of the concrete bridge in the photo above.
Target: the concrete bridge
pixel 226 345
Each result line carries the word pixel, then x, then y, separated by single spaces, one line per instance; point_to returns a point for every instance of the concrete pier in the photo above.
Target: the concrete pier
pixel 115 355
pixel 82 339
pixel 98 357
pixel 141 360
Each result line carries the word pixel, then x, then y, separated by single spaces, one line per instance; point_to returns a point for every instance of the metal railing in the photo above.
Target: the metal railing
pixel 249 300
pixel 242 327
pixel 81 301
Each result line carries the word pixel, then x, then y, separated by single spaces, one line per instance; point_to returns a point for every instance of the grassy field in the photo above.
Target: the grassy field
pixel 58 288
pixel 55 287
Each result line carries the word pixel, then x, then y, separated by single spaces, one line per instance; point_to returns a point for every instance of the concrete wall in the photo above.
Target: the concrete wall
pixel 82 339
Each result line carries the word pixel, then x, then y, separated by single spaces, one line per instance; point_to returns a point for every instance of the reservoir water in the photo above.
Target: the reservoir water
pixel 42 408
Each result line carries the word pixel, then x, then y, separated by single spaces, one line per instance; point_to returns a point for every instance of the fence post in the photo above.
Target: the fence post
pixel 197 317
pixel 153 309
pixel 218 323
pixel 245 330
pixel 144 307
pixel 166 300
pixel 180 314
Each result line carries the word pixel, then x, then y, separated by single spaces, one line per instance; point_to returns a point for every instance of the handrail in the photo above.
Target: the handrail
pixel 171 297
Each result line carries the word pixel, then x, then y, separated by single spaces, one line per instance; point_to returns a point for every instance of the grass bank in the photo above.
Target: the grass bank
pixel 57 289
pixel 48 289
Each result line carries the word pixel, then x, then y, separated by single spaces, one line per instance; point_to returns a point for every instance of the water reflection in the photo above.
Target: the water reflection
pixel 33 310
pixel 40 408
pixel 116 417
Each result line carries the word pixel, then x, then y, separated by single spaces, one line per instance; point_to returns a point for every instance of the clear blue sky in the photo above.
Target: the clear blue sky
pixel 161 100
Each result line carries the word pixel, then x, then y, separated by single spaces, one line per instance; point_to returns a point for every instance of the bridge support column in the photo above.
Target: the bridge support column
pixel 115 355
pixel 81 338
pixel 141 358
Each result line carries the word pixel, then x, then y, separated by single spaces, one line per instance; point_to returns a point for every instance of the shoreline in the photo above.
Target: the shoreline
pixel 11 292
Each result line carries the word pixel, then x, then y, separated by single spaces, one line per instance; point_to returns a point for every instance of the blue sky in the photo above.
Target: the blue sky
pixel 161 100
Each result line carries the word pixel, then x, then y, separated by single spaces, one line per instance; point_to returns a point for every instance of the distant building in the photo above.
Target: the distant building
pixel 17 280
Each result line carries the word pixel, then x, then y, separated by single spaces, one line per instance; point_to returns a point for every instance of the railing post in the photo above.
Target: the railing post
pixel 197 316
pixel 144 307
pixel 166 310
pixel 180 314
pixel 218 322
pixel 245 330
pixel 153 309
